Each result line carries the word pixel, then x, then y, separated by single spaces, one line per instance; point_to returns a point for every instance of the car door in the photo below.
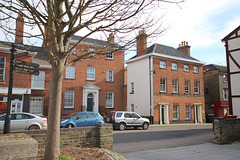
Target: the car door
pixel 136 119
pixel 128 118
pixel 81 120
pixel 19 121
pixel 92 119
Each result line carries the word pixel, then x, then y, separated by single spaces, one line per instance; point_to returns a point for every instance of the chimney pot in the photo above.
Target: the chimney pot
pixel 184 47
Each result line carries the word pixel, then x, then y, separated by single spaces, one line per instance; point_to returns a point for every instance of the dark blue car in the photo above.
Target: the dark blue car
pixel 81 119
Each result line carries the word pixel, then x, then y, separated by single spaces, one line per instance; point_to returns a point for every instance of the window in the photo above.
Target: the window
pixel 132 107
pixel 2 68
pixel 110 55
pixel 109 100
pixel 36 105
pixel 70 72
pixel 187 87
pixel 38 80
pixel 195 69
pixel 196 87
pixel 92 51
pixel 175 112
pixel 90 73
pixel 225 78
pixel 188 112
pixel 74 49
pixel 174 86
pixel 225 93
pixel 109 75
pixel 132 87
pixel 186 68
pixel 163 85
pixel 162 64
pixel 69 99
pixel 174 66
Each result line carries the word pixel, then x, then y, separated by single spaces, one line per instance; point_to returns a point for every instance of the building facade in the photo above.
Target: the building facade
pixel 165 84
pixel 93 84
pixel 232 41
pixel 216 91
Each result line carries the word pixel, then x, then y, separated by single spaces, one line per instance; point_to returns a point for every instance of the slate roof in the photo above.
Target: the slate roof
pixel 214 67
pixel 168 51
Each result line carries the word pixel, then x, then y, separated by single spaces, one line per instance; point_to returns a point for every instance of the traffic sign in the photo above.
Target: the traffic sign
pixel 26 67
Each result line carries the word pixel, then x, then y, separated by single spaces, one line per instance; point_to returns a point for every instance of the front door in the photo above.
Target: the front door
pixel 90 102
pixel 16 106
pixel 162 114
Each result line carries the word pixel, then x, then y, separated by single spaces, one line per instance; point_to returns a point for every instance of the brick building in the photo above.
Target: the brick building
pixel 94 84
pixel 165 84
pixel 216 91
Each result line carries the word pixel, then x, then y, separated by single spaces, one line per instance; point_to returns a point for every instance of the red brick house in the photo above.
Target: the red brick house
pixel 165 84
pixel 94 84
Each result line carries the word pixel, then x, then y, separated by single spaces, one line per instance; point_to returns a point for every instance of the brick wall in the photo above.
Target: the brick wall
pixel 226 130
pixel 101 136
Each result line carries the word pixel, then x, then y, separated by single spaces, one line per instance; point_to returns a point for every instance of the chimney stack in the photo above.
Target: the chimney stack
pixel 111 37
pixel 184 47
pixel 19 29
pixel 141 43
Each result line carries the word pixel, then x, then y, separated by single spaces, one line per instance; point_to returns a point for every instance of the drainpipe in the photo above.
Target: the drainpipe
pixel 151 72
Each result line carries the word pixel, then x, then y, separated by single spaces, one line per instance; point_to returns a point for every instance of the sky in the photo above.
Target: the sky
pixel 203 24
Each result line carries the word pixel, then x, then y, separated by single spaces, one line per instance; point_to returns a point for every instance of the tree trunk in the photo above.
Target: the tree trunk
pixel 52 148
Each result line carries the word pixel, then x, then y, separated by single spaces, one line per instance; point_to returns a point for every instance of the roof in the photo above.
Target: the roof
pixel 166 51
pixel 214 67
pixel 230 34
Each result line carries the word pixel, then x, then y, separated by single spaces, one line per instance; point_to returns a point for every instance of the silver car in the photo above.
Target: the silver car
pixel 24 121
pixel 123 119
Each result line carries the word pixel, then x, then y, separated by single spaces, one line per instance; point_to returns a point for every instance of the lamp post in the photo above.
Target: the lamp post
pixel 8 116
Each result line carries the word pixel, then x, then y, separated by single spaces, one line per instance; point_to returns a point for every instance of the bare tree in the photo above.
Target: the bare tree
pixel 56 21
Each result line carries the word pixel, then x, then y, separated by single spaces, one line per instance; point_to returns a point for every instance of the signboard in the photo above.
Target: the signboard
pixel 3 107
pixel 26 67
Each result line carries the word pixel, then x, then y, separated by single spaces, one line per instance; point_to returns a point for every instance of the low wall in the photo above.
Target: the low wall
pixel 225 130
pixel 101 136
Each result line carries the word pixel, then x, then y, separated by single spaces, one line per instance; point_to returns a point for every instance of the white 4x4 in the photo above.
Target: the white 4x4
pixel 123 119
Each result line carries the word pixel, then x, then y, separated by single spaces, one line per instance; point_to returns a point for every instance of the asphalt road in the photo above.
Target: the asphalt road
pixel 157 137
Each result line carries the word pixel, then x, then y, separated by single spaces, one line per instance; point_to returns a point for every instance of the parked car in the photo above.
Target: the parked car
pixel 24 121
pixel 110 117
pixel 81 119
pixel 123 119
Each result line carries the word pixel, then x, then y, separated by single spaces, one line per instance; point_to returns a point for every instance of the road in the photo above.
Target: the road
pixel 157 137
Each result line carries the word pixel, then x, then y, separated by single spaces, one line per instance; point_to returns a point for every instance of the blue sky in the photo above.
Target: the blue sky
pixel 203 24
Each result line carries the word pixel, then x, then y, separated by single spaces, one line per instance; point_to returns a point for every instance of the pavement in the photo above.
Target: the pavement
pixel 207 151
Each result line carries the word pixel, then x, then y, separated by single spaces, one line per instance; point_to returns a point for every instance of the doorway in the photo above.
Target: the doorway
pixel 90 102
pixel 162 115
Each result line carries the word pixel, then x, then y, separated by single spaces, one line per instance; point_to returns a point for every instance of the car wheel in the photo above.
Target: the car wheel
pixel 122 126
pixel 69 126
pixel 33 127
pixel 145 125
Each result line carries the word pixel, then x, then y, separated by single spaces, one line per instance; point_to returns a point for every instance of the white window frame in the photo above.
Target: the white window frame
pixel 188 111
pixel 175 112
pixel 70 72
pixel 91 73
pixel 174 86
pixel 163 64
pixel 38 81
pixel 187 87
pixel 195 69
pixel 2 76
pixel 174 66
pixel 110 75
pixel 69 99
pixel 36 105
pixel 109 55
pixel 196 87
pixel 186 68
pixel 132 88
pixel 109 100
pixel 163 85
pixel 225 93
